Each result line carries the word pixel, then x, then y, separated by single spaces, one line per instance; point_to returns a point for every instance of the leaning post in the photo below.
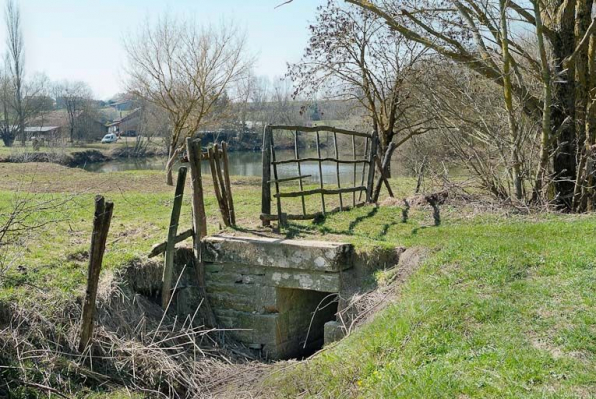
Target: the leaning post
pixel 101 226
pixel 168 271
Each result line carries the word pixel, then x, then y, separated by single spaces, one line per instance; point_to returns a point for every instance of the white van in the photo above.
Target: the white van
pixel 109 138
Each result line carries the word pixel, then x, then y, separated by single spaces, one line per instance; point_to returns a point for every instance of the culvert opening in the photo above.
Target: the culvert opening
pixel 303 314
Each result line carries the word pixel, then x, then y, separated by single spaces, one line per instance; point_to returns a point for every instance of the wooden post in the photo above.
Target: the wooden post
pixel 222 183
pixel 371 167
pixel 266 178
pixel 198 203
pixel 199 221
pixel 222 206
pixel 320 173
pixel 354 180
pixel 101 226
pixel 226 172
pixel 300 184
pixel 341 201
pixel 168 270
pixel 281 220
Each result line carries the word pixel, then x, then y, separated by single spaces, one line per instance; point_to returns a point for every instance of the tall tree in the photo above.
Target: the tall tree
pixel 563 58
pixel 15 60
pixel 185 69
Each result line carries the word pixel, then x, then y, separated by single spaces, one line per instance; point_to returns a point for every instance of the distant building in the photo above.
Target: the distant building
pixel 126 126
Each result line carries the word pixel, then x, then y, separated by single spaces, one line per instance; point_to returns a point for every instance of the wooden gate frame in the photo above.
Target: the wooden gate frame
pixel 270 162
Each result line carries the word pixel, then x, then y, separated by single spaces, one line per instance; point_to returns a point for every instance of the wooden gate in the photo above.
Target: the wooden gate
pixel 365 163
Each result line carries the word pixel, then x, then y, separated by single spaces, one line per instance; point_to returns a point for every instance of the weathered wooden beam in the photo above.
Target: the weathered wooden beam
pixel 168 271
pixel 310 216
pixel 346 161
pixel 320 129
pixel 324 191
pixel 161 248
pixel 101 226
pixel 297 155
pixel 290 179
pixel 226 172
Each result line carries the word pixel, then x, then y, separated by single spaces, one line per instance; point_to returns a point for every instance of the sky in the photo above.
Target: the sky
pixel 82 39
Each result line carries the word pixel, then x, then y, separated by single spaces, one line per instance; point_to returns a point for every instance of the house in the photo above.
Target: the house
pixel 127 126
pixel 86 126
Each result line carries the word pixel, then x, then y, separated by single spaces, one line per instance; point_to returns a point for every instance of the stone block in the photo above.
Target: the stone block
pixel 333 332
pixel 286 254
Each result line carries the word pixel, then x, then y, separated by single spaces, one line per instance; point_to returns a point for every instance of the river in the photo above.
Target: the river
pixel 249 164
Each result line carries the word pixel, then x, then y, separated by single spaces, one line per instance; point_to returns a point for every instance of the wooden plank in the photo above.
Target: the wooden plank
pixel 317 129
pixel 371 167
pixel 168 270
pixel 101 226
pixel 354 179
pixel 309 216
pixel 266 175
pixel 222 207
pixel 320 173
pixel 297 154
pixel 341 200
pixel 346 161
pixel 161 248
pixel 226 172
pixel 285 179
pixel 222 183
pixel 366 145
pixel 324 191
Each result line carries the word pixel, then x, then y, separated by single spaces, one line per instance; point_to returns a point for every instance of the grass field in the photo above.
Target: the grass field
pixel 504 306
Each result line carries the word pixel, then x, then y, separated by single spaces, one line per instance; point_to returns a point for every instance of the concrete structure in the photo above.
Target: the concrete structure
pixel 275 295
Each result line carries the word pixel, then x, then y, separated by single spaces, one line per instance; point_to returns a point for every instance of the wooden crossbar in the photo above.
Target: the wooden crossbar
pixel 324 191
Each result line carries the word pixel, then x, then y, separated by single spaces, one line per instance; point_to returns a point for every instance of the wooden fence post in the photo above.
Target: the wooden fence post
pixel 371 167
pixel 226 172
pixel 199 224
pixel 101 226
pixel 168 271
pixel 266 178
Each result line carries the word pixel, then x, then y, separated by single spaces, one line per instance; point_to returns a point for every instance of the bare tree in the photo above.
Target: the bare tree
pixel 76 98
pixel 563 60
pixel 352 55
pixel 185 69
pixel 15 60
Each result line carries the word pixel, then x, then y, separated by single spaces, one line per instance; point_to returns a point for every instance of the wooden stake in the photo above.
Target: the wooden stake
pixel 196 180
pixel 222 182
pixel 168 271
pixel 226 171
pixel 101 226
pixel 218 195
pixel 371 167
pixel 199 227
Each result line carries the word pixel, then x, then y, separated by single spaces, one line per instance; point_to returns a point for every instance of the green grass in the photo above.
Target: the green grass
pixel 504 306
pixel 502 309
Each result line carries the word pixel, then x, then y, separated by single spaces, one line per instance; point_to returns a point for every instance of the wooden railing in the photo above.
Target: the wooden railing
pixel 271 175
